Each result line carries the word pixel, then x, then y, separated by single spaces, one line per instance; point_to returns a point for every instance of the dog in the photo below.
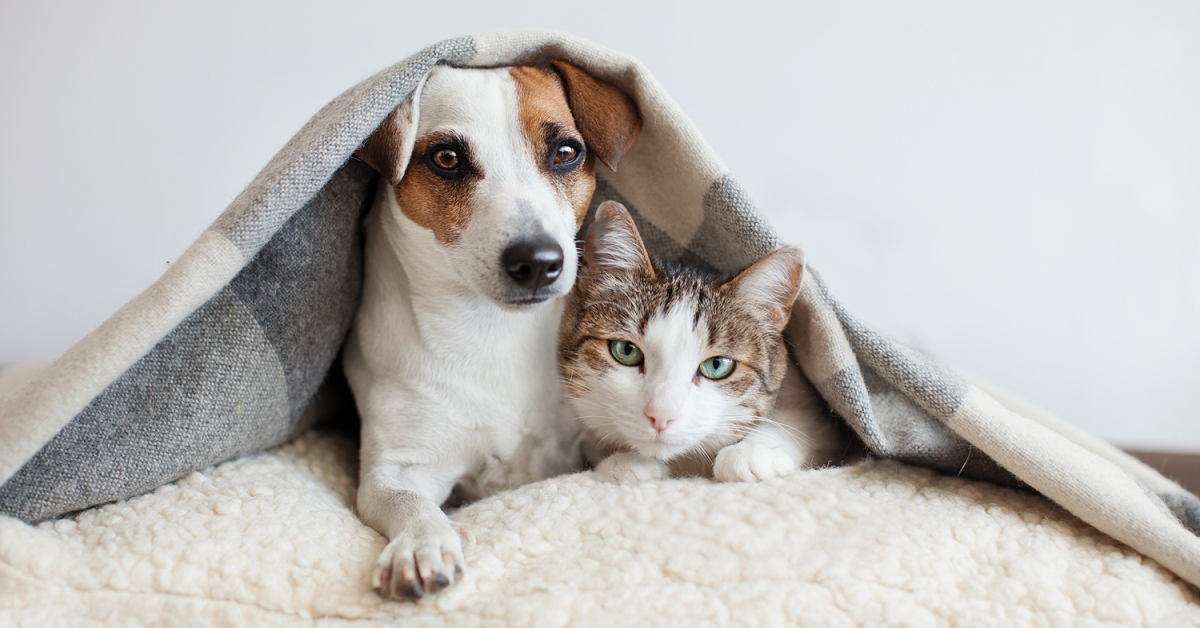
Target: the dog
pixel 470 245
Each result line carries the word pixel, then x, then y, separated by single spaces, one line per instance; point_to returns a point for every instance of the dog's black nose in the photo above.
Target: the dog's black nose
pixel 534 263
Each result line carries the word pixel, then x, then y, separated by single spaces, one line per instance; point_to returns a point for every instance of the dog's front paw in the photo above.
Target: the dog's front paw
pixel 749 461
pixel 425 561
pixel 627 468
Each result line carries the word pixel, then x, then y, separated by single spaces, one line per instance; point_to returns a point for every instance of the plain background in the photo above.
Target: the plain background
pixel 1011 186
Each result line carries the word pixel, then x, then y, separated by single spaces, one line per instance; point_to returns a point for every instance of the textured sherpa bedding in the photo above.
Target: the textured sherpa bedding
pixel 271 540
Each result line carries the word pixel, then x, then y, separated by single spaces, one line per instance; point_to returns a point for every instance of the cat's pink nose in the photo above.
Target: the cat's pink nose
pixel 661 410
pixel 658 422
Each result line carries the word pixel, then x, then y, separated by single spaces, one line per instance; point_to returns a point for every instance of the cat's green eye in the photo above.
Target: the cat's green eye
pixel 717 367
pixel 625 352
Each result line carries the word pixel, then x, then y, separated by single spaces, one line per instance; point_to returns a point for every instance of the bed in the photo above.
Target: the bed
pixel 271 539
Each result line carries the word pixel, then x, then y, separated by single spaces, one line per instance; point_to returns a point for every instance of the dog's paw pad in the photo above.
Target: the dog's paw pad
pixel 752 462
pixel 627 468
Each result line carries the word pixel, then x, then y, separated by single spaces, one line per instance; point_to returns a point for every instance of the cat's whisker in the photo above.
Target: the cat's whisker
pixel 793 431
pixel 599 421
pixel 613 439
pixel 785 426
pixel 578 384
pixel 581 387
pixel 796 434
pixel 605 425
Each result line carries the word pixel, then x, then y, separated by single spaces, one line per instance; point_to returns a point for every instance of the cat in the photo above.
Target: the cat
pixel 674 371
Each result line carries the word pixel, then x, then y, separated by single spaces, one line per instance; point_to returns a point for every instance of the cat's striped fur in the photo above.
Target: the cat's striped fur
pixel 664 409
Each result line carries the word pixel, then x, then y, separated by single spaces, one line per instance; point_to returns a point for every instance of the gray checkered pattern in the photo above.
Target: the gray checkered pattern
pixel 233 378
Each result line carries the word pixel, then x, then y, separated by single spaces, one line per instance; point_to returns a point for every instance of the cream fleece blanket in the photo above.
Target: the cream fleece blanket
pixel 271 540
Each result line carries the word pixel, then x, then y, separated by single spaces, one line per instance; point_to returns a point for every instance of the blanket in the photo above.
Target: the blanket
pixel 224 355
pixel 271 539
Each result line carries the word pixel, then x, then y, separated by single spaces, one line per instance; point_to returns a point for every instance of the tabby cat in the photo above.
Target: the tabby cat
pixel 674 371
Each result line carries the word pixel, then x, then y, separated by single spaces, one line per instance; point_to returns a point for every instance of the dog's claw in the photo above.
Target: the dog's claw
pixel 463 531
pixel 381 577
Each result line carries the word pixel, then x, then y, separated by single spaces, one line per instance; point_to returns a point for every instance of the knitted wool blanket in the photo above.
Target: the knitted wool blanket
pixel 224 354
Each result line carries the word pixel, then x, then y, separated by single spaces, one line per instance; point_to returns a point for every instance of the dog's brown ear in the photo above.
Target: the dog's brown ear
pixel 605 115
pixel 381 151
pixel 389 147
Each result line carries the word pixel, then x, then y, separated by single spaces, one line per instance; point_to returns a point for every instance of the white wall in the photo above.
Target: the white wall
pixel 1012 186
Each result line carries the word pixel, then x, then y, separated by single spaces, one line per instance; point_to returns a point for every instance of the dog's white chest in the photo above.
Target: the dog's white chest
pixel 513 412
pixel 474 394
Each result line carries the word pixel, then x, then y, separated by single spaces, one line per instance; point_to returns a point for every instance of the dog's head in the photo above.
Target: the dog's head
pixel 499 166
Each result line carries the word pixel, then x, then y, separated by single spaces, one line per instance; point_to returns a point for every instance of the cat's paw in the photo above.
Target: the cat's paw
pixel 749 461
pixel 627 468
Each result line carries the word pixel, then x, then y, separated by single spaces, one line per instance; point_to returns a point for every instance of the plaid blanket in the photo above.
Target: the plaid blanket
pixel 225 353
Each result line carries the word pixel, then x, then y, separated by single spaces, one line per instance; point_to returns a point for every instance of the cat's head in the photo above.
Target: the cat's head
pixel 667 360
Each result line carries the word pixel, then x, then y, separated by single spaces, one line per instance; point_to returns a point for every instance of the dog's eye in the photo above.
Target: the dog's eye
pixel 565 154
pixel 446 159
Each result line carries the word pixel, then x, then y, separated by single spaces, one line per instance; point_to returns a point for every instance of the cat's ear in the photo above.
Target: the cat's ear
pixel 613 245
pixel 772 284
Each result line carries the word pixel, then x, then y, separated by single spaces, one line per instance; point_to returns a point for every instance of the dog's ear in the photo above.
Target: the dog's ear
pixel 613 246
pixel 771 284
pixel 390 146
pixel 606 116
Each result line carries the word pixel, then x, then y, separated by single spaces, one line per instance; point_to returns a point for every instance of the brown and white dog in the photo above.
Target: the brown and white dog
pixel 487 175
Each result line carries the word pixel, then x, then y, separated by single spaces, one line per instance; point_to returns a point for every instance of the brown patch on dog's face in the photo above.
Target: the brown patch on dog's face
pixel 550 132
pixel 438 185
